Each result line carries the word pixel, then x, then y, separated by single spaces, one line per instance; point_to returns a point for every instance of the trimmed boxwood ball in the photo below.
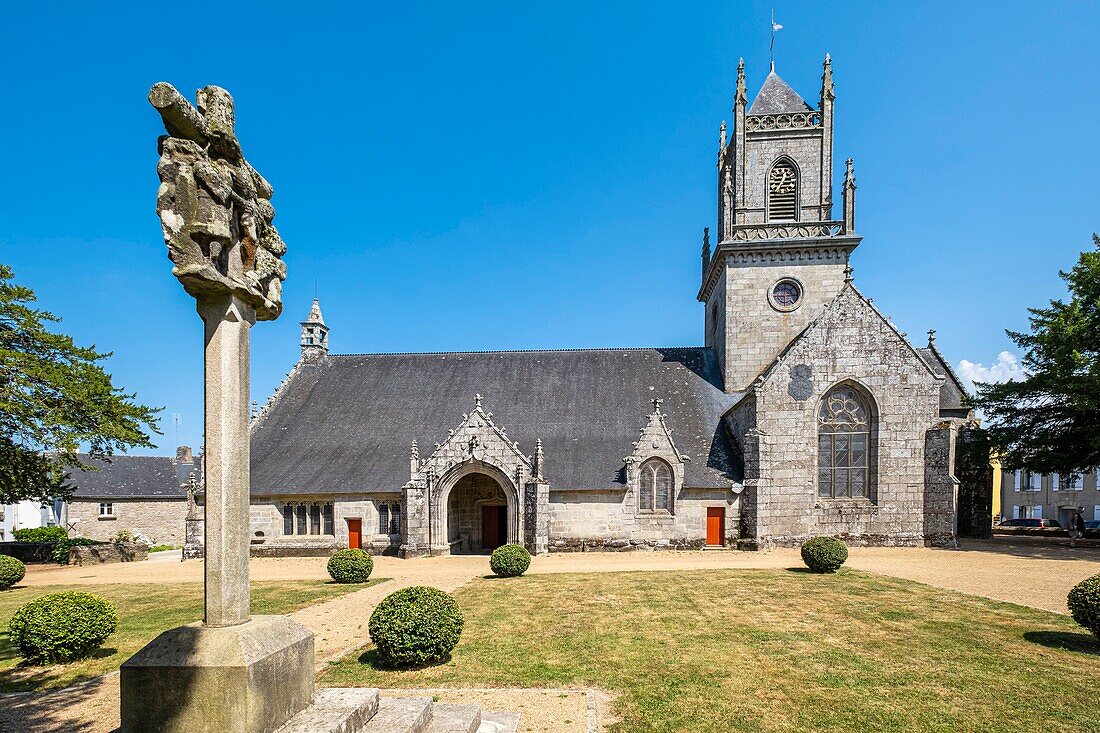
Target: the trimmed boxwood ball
pixel 350 566
pixel 11 571
pixel 1084 604
pixel 824 554
pixel 510 561
pixel 415 626
pixel 61 627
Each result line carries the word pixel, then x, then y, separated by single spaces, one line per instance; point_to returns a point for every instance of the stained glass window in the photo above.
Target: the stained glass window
pixel 786 294
pixel 844 445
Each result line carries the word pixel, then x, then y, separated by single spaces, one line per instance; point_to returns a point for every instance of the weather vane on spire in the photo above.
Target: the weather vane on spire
pixel 775 27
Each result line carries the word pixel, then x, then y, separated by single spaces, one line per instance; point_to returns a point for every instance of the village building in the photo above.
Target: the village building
pixel 805 411
pixel 145 496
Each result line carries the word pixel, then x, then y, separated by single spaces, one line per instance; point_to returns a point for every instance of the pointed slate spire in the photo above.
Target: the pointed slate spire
pixel 776 97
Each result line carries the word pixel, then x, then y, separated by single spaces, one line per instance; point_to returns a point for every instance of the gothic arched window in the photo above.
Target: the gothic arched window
pixel 655 486
pixel 383 518
pixel 844 444
pixel 783 191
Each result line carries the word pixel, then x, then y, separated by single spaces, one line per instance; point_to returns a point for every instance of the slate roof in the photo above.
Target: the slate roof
pixel 346 423
pixel 952 391
pixel 130 477
pixel 777 97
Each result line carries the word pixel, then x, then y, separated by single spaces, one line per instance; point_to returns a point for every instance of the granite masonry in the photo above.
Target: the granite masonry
pixel 142 495
pixel 804 412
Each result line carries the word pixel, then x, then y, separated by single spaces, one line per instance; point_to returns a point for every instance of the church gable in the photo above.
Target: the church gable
pixel 477 439
pixel 852 340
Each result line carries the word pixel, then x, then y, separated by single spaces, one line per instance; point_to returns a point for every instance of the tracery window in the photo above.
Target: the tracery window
pixel 783 191
pixel 844 445
pixel 395 518
pixel 314 518
pixel 655 486
pixel 383 518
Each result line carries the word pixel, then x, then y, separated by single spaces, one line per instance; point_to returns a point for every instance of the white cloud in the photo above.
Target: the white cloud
pixel 1007 367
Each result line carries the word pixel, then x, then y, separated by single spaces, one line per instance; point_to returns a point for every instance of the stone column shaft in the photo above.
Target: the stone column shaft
pixel 227 321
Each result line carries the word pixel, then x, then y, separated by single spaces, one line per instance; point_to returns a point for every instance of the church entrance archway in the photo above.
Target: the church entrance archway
pixel 478 513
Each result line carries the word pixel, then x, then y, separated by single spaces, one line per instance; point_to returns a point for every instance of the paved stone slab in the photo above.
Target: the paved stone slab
pixel 336 710
pixel 401 715
pixel 498 721
pixel 451 718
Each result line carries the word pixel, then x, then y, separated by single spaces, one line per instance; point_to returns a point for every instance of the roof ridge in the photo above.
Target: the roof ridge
pixel 519 351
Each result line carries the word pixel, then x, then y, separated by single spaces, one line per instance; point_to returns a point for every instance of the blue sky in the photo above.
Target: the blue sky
pixel 466 176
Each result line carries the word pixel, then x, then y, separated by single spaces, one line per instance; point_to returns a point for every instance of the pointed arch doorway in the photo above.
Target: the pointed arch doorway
pixel 477 514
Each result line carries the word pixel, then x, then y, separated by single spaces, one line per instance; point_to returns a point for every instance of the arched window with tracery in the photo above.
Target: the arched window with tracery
pixel 844 444
pixel 783 191
pixel 655 486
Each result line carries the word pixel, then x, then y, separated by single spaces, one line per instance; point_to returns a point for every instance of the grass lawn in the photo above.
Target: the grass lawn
pixel 144 610
pixel 763 650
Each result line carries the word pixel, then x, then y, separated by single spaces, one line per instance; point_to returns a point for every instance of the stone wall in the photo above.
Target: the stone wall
pixel 607 520
pixel 266 516
pixel 159 520
pixel 851 342
pixel 762 149
pixel 755 333
pixel 111 552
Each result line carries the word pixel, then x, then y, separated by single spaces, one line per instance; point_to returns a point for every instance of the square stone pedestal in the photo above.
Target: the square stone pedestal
pixel 249 678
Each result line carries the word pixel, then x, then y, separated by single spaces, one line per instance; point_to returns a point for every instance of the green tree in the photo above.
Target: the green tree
pixel 1050 420
pixel 55 401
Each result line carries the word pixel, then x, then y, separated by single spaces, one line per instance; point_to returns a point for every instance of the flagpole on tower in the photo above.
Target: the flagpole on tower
pixel 775 27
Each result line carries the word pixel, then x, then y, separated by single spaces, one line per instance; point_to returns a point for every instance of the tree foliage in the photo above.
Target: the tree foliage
pixel 1050 420
pixel 55 402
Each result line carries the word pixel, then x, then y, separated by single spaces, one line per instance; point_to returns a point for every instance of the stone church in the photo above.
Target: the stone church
pixel 804 412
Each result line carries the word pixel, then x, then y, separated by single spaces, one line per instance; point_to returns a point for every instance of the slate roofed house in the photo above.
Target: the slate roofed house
pixel 144 495
pixel 804 411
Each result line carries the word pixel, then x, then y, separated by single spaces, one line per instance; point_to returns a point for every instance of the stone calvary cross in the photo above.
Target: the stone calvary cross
pixel 232 672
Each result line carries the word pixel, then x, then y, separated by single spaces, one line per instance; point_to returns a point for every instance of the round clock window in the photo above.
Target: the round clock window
pixel 786 295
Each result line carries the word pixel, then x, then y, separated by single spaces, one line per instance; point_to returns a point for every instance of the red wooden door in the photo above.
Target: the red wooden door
pixel 492 527
pixel 716 522
pixel 355 533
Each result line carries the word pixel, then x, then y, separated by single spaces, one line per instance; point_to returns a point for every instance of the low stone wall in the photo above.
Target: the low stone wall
pixel 596 544
pixel 110 552
pixel 851 540
pixel 28 552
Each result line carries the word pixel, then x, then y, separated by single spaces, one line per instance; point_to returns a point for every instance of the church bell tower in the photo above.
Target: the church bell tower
pixel 779 256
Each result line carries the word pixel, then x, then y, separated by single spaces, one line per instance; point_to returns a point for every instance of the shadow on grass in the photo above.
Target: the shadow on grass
pixel 375 660
pixel 26 677
pixel 1083 643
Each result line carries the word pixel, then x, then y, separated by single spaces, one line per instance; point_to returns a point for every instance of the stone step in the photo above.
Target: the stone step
pixel 498 721
pixel 450 718
pixel 401 715
pixel 335 710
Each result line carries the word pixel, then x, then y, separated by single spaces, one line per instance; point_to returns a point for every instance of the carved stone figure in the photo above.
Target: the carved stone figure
pixel 215 209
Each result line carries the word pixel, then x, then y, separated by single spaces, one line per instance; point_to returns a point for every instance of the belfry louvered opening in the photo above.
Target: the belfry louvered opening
pixel 783 192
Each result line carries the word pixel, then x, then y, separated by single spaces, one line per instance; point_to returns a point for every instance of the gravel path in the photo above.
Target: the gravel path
pixel 1027 571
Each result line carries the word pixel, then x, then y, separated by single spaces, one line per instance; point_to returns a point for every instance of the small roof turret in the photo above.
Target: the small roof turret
pixel 314 333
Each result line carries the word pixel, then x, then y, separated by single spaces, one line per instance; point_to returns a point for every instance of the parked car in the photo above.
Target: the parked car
pixel 1053 523
pixel 1092 524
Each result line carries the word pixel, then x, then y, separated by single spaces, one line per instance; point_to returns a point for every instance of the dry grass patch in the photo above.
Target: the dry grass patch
pixel 144 610
pixel 764 650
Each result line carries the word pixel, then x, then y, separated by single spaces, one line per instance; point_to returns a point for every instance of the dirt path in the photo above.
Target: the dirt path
pixel 1024 571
